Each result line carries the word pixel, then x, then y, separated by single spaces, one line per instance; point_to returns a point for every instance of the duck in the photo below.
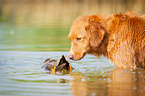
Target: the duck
pixel 55 65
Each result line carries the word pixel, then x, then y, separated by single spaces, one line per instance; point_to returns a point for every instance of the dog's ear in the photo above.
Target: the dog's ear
pixel 96 33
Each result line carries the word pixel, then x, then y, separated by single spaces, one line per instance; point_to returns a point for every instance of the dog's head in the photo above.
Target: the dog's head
pixel 86 33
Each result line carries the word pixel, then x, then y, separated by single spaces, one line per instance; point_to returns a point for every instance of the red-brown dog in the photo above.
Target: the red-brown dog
pixel 120 37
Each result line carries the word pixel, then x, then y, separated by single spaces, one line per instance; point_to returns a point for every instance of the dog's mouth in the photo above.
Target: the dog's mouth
pixel 84 54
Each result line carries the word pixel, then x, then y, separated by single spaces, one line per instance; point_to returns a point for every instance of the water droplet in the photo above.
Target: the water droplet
pixel 12 32
pixel 139 72
pixel 141 91
pixel 108 79
pixel 134 88
pixel 103 75
pixel 93 94
pixel 83 79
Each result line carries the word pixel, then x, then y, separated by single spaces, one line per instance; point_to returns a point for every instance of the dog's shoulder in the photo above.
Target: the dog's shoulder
pixel 124 27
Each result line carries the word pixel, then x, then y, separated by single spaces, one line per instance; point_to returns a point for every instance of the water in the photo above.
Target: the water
pixel 34 30
pixel 21 74
pixel 13 37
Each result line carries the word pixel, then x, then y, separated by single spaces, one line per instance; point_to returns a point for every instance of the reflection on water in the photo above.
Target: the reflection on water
pixel 21 74
pixel 127 82
pixel 117 82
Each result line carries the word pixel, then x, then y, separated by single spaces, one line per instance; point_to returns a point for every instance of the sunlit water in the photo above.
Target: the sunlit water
pixel 21 75
pixel 41 26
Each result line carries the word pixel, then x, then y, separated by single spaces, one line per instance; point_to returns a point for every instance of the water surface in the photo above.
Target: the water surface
pixel 21 74
pixel 33 30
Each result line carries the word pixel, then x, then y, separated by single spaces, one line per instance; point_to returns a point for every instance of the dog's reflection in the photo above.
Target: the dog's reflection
pixel 119 82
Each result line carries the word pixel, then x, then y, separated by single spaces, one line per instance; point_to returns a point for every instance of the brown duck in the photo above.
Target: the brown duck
pixel 55 65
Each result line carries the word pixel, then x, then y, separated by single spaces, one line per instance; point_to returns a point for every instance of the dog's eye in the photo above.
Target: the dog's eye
pixel 78 38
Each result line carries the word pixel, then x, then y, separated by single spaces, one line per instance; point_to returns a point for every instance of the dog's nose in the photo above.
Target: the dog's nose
pixel 71 57
pixel 71 54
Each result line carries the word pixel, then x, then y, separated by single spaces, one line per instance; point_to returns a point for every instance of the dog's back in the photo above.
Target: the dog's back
pixel 127 41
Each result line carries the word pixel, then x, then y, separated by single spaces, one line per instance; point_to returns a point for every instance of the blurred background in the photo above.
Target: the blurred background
pixel 43 25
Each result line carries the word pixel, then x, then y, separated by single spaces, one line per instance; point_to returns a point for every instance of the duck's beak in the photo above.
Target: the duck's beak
pixel 53 70
pixel 70 68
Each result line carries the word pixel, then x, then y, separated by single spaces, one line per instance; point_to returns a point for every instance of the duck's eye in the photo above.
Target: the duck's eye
pixel 78 38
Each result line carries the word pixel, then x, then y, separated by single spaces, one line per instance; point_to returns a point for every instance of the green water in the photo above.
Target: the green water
pixel 38 38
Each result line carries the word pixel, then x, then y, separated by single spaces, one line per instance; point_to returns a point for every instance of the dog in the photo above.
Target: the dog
pixel 119 37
